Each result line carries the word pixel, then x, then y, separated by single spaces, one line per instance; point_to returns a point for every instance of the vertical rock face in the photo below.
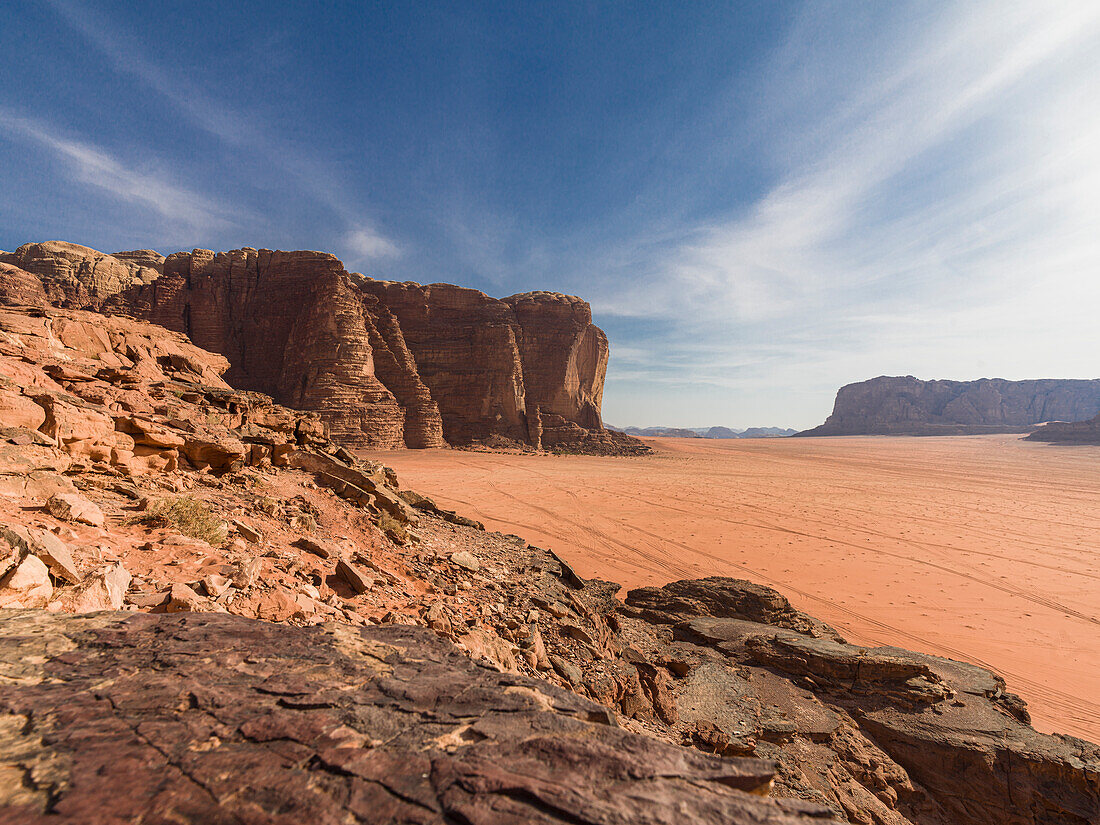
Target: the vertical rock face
pixel 564 355
pixel 909 406
pixel 465 347
pixel 386 364
pixel 294 326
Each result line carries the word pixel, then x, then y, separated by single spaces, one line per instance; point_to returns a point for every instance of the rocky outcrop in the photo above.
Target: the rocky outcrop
pixel 244 721
pixel 909 406
pixel 81 389
pixel 388 364
pixel 1074 432
pixel 76 276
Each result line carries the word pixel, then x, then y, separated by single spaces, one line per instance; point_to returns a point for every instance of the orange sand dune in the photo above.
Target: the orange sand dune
pixel 983 548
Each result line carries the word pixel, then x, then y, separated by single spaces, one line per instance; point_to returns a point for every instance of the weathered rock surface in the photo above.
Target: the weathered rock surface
pixel 909 406
pixel 76 276
pixel 1072 432
pixel 722 597
pixel 244 721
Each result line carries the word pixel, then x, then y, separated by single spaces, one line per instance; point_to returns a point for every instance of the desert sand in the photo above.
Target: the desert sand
pixel 982 548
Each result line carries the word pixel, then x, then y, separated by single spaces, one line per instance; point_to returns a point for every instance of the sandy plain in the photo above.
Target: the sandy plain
pixel 983 548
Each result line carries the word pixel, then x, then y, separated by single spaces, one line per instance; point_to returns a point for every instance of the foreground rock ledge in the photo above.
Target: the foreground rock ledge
pixel 109 718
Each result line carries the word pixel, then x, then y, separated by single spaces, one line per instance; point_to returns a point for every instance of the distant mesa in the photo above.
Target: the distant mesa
pixel 1074 432
pixel 385 364
pixel 905 405
pixel 704 432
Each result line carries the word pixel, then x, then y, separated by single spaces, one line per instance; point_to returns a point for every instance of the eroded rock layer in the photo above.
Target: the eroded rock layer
pixel 910 406
pixel 385 364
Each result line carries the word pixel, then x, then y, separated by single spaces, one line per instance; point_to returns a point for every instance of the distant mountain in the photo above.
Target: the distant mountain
pixel 767 432
pixel 904 405
pixel 660 432
pixel 704 432
pixel 722 432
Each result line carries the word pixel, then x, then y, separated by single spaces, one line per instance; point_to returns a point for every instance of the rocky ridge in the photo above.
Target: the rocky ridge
pixel 236 509
pixel 910 406
pixel 1069 432
pixel 384 364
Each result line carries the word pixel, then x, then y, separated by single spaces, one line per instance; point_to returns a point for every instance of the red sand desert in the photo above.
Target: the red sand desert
pixel 983 548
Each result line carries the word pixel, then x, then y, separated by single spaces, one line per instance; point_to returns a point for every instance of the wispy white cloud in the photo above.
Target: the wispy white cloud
pixel 237 129
pixel 939 218
pixel 147 187
pixel 366 243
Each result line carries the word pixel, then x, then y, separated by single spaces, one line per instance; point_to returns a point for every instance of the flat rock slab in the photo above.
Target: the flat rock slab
pixel 116 718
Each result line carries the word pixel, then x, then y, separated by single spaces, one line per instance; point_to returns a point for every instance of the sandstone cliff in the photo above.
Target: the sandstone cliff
pixel 384 364
pixel 909 406
pixel 74 275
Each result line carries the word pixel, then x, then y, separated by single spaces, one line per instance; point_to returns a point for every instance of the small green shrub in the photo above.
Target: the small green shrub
pixel 188 515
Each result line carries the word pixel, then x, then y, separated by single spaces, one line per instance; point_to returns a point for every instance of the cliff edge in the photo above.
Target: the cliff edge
pixel 385 365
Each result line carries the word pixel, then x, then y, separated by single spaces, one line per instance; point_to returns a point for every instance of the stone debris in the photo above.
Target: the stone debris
pixel 467 561
pixel 102 590
pixel 26 584
pixel 74 507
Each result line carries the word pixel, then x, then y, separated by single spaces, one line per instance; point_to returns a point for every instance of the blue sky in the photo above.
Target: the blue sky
pixel 762 201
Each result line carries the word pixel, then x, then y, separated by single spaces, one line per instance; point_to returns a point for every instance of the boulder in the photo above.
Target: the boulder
pixel 27 584
pixel 466 560
pixel 103 590
pixel 350 575
pixel 47 547
pixel 74 507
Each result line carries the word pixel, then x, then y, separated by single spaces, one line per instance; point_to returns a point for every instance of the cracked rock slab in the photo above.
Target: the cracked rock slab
pixel 115 718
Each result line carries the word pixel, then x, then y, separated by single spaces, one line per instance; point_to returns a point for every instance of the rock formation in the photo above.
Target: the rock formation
pixel 76 276
pixel 384 364
pixel 133 481
pixel 909 406
pixel 1071 432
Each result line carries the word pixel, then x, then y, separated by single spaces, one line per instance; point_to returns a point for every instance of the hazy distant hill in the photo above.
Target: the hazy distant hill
pixel 704 432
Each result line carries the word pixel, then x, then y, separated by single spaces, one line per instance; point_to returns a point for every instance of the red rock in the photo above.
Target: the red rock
pixel 386 364
pixel 353 577
pixel 27 584
pixel 74 507
pixel 76 275
pixel 103 590
pixel 16 410
pixel 46 546
pixel 182 599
